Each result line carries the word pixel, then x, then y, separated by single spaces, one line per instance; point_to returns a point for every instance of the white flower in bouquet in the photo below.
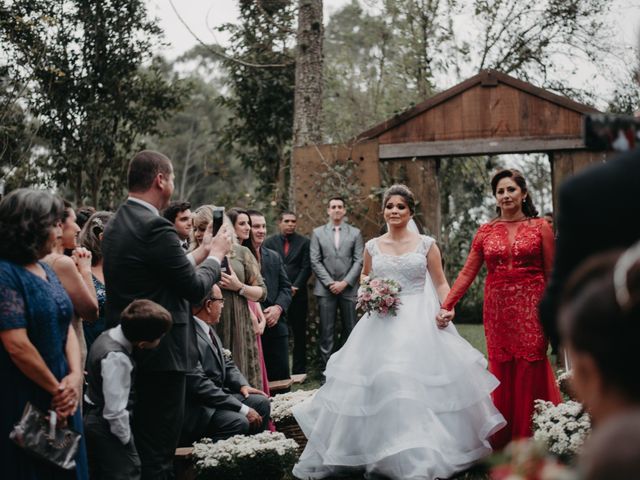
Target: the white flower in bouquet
pixel 282 404
pixel 563 427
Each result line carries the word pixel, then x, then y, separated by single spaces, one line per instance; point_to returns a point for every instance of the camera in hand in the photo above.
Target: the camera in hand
pixel 224 266
pixel 218 218
pixel 603 132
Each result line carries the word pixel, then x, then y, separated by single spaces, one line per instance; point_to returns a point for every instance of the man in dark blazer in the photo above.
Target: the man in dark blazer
pixel 598 210
pixel 336 252
pixel 275 339
pixel 293 248
pixel 143 259
pixel 220 403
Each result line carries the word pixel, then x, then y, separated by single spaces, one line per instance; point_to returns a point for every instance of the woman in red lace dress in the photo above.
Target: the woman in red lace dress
pixel 518 251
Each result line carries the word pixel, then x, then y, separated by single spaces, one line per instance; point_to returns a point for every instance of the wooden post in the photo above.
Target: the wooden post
pixel 567 163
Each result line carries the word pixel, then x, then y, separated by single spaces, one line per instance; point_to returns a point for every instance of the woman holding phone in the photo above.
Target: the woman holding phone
pixel 241 283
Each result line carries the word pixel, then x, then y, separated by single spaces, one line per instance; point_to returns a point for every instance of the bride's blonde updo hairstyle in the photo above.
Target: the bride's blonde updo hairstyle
pixel 404 192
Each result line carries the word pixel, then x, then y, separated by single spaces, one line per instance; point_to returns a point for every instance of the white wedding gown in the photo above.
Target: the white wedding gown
pixel 403 399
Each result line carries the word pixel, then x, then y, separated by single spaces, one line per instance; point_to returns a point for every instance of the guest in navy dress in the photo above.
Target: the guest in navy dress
pixel 91 238
pixel 39 351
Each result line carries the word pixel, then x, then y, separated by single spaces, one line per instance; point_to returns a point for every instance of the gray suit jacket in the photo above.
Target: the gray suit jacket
pixel 331 264
pixel 209 387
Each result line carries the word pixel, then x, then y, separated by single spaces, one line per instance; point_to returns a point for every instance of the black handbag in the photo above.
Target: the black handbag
pixel 41 438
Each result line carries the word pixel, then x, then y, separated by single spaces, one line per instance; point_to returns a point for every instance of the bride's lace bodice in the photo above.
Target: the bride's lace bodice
pixel 409 270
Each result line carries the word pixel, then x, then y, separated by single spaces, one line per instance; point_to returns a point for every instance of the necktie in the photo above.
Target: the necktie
pixel 336 236
pixel 213 340
pixel 286 246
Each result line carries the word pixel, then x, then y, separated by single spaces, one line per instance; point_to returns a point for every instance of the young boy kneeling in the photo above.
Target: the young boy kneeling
pixel 109 395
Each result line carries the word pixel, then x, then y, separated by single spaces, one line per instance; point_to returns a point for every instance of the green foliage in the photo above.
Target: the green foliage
pixel 380 64
pixel 464 185
pixel 261 78
pixel 191 137
pixel 83 64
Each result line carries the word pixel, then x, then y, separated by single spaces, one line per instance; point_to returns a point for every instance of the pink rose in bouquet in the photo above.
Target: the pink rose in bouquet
pixel 379 295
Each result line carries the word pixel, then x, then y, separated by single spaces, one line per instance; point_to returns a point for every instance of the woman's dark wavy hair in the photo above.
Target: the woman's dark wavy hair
pixel 26 219
pixel 528 208
pixel 593 322
pixel 233 215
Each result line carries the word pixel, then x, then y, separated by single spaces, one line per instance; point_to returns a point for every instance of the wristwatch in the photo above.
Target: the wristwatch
pixel 241 291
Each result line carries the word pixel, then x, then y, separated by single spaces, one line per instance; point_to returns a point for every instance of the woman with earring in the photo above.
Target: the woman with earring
pixel 242 227
pixel 91 238
pixel 406 397
pixel 242 284
pixel 517 248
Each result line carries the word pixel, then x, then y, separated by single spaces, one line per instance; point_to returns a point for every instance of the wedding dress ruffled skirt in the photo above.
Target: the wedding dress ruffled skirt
pixel 403 399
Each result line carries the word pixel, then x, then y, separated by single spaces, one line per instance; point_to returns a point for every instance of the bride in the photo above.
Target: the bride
pixel 406 397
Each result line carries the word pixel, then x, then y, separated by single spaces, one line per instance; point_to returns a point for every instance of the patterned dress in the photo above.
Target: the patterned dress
pixel 235 328
pixel 519 257
pixel 44 309
pixel 92 330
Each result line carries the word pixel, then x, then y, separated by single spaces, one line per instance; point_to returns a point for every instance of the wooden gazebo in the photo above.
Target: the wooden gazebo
pixel 490 113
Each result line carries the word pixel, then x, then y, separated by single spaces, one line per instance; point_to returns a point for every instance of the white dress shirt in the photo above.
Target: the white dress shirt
pixel 116 370
pixel 205 328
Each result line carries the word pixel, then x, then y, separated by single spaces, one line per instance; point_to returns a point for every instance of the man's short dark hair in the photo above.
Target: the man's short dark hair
pixel 337 197
pixel 174 208
pixel 286 212
pixel 144 168
pixel 255 213
pixel 145 320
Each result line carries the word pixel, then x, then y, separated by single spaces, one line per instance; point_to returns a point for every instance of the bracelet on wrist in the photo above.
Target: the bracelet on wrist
pixel 242 289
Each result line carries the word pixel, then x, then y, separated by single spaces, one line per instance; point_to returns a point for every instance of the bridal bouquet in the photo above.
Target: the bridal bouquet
pixel 379 295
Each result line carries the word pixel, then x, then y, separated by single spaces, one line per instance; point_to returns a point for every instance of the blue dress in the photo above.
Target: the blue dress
pixel 92 330
pixel 44 309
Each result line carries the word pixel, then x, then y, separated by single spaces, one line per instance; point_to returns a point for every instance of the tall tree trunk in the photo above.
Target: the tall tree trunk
pixel 307 113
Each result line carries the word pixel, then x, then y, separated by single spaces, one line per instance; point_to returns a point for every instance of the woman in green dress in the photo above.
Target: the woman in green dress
pixel 243 283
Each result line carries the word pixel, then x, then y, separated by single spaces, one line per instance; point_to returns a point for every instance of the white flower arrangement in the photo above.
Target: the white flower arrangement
pixel 265 455
pixel 563 427
pixel 282 404
pixel 226 353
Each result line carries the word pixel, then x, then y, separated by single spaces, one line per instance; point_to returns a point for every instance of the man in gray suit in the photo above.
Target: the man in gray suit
pixel 220 403
pixel 336 258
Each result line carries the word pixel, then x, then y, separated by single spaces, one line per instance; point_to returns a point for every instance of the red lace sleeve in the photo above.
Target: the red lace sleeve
pixel 468 273
pixel 548 248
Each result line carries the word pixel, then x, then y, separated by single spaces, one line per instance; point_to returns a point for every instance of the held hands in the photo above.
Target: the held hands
pixel 444 317
pixel 338 287
pixel 82 258
pixel 255 420
pixel 220 245
pixel 65 401
pixel 272 315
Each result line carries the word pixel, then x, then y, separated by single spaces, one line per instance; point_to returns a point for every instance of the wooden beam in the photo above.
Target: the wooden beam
pixel 481 146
